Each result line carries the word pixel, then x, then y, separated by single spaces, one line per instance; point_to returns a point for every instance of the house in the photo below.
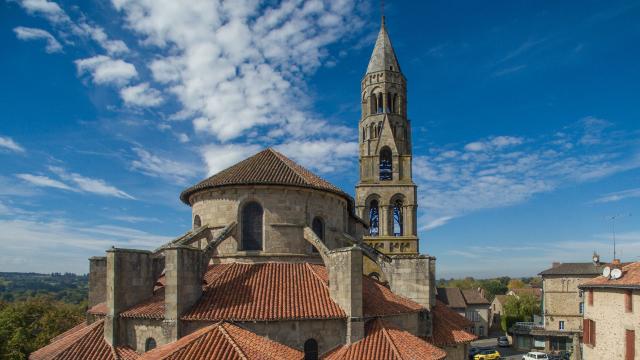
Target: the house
pixel 278 263
pixel 497 311
pixel 611 325
pixel 469 303
pixel 562 308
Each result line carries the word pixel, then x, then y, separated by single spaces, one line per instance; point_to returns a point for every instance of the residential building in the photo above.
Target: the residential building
pixel 469 303
pixel 611 325
pixel 497 311
pixel 562 308
pixel 279 264
pixel 535 292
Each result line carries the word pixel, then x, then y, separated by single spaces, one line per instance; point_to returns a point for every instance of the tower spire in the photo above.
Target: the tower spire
pixel 383 56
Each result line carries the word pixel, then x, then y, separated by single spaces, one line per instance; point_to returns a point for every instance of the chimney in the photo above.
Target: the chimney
pixel 129 281
pixel 555 264
pixel 184 275
pixel 616 262
pixel 97 280
pixel 345 287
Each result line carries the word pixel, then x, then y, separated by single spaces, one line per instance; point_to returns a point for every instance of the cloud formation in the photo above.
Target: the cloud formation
pixel 141 95
pixel 26 33
pixel 9 144
pixel 106 70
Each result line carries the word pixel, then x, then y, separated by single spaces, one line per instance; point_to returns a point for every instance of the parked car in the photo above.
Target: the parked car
pixel 472 352
pixel 503 341
pixel 487 354
pixel 535 355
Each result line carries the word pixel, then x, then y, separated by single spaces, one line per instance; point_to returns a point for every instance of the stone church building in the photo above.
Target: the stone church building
pixel 281 264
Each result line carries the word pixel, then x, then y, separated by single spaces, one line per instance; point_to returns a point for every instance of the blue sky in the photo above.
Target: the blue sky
pixel 525 120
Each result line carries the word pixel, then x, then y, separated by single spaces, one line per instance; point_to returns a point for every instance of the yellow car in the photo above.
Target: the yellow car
pixel 487 354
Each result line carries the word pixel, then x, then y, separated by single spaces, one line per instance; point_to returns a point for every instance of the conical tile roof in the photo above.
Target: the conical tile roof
pixel 383 56
pixel 267 167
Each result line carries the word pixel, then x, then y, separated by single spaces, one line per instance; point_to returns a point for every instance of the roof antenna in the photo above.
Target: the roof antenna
pixel 613 229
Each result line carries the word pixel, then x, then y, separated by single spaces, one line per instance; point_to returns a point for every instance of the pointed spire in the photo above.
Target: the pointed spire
pixel 383 56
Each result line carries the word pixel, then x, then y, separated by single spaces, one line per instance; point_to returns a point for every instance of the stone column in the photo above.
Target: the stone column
pixel 183 276
pixel 129 281
pixel 345 288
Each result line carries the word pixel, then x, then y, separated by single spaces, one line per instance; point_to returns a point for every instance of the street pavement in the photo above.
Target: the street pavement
pixel 506 352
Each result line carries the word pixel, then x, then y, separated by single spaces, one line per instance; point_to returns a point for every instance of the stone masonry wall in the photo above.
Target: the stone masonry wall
pixel 608 312
pixel 562 301
pixel 97 280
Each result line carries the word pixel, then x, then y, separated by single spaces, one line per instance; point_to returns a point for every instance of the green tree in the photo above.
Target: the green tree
pixel 492 288
pixel 515 284
pixel 28 325
pixel 520 309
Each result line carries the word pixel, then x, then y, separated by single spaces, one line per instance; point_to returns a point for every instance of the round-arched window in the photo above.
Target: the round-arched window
pixel 252 226
pixel 197 223
pixel 386 164
pixel 150 344
pixel 317 225
pixel 311 349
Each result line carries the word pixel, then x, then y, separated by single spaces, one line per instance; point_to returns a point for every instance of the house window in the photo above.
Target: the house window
pixel 150 344
pixel 311 350
pixel 581 308
pixel 561 325
pixel 589 332
pixel 252 226
pixel 630 345
pixel 590 297
pixel 318 228
pixel 628 301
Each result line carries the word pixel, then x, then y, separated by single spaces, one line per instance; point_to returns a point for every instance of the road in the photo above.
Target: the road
pixel 506 352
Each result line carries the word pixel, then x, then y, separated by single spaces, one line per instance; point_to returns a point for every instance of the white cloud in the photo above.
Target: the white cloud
pixel 74 182
pixel 504 170
pixel 105 70
pixel 98 34
pixel 618 196
pixel 153 165
pixel 90 185
pixel 235 66
pixel 141 95
pixel 321 155
pixel 44 181
pixel 49 9
pixel 8 143
pixel 26 33
pixel 67 245
pixel 220 157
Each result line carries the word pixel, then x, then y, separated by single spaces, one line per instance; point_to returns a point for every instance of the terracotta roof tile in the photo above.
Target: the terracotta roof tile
pixel 80 326
pixel 270 291
pixel 386 342
pixel 630 278
pixel 83 343
pixel 267 167
pixel 223 341
pixel 98 309
pixel 152 308
pixel 537 292
pixel 449 326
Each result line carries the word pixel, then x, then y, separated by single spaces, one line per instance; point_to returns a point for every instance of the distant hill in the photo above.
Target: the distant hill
pixel 68 288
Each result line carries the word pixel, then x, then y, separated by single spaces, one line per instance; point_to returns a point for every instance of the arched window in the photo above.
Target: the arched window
pixel 374 218
pixel 364 134
pixel 197 223
pixel 394 104
pixel 150 344
pixel 374 275
pixel 379 128
pixel 318 228
pixel 311 350
pixel 386 164
pixel 397 218
pixel 373 102
pixel 252 226
pixel 388 102
pixel 379 103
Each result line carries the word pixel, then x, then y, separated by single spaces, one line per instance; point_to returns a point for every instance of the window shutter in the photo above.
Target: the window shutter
pixel 628 304
pixel 590 297
pixel 630 342
pixel 592 328
pixel 586 332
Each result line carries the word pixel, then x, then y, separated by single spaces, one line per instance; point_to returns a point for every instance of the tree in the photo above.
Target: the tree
pixel 492 288
pixel 520 309
pixel 28 325
pixel 515 284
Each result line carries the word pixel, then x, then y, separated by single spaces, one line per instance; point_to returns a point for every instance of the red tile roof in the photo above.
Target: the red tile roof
pixel 537 292
pixel 386 342
pixel 267 167
pixel 86 342
pixel 152 308
pixel 223 341
pixel 630 278
pixel 98 309
pixel 474 297
pixel 280 291
pixel 449 326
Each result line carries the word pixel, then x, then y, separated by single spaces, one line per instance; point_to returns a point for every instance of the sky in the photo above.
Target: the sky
pixel 524 114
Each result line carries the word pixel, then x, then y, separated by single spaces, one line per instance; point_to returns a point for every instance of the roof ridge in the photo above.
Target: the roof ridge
pixel 196 335
pixel 228 336
pixel 316 275
pixel 387 336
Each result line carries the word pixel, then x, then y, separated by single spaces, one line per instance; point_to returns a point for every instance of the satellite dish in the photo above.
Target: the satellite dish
pixel 616 274
pixel 606 271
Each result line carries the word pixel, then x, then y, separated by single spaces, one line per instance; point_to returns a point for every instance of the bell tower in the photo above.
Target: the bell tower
pixel 386 194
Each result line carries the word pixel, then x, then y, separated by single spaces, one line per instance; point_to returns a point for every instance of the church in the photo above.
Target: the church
pixel 281 264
